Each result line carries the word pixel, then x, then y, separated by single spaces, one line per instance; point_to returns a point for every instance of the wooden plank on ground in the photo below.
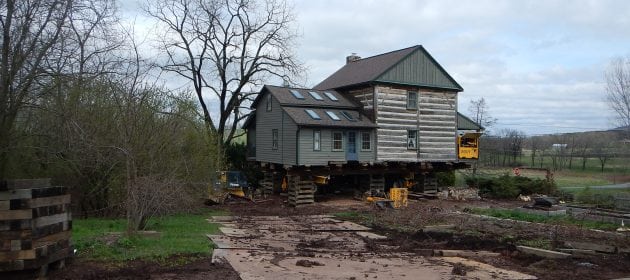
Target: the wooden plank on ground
pixel 590 246
pixel 543 253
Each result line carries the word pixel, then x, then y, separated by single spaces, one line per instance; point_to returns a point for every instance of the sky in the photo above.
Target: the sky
pixel 538 64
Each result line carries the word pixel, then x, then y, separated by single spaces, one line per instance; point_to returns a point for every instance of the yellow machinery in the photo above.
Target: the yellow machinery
pixel 399 196
pixel 229 184
pixel 468 145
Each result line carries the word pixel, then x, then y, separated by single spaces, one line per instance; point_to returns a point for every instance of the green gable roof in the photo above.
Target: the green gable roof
pixel 465 123
pixel 409 66
pixel 419 69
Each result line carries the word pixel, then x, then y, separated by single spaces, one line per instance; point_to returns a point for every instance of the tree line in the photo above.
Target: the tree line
pixel 84 103
pixel 511 148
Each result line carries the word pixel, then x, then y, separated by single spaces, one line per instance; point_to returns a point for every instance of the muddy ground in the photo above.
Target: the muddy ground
pixel 405 229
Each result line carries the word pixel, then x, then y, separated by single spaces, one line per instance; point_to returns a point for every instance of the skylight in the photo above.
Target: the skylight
pixel 297 94
pixel 347 115
pixel 313 115
pixel 316 95
pixel 331 96
pixel 332 115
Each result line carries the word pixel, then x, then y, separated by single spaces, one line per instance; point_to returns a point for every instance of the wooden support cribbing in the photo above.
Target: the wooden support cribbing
pixel 35 225
pixel 377 183
pixel 301 191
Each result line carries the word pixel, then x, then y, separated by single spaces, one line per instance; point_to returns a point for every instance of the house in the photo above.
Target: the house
pixel 305 127
pixel 389 116
pixel 411 98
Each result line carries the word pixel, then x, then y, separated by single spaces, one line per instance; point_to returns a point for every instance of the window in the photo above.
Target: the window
pixel 269 102
pixel 348 116
pixel 297 94
pixel 331 96
pixel 337 141
pixel 316 95
pixel 412 139
pixel 274 139
pixel 317 137
pixel 366 143
pixel 412 100
pixel 332 115
pixel 313 115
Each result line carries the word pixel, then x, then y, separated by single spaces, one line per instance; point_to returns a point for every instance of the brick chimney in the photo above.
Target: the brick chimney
pixel 352 58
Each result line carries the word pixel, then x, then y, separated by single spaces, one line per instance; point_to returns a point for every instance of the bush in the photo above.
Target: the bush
pixel 446 178
pixel 506 186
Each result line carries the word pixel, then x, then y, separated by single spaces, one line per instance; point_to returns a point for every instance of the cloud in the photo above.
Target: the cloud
pixel 539 65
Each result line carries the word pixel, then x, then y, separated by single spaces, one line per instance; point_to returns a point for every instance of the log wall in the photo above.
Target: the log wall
pixel 434 119
pixel 35 225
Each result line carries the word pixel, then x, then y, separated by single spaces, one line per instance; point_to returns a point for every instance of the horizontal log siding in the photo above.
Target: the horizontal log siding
pixel 435 121
pixel 365 96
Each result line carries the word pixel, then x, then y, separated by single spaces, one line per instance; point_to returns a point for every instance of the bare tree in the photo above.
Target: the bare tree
pixel 480 113
pixel 618 91
pixel 30 29
pixel 226 48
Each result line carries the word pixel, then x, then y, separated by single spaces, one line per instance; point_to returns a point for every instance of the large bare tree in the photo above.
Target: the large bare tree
pixel 618 91
pixel 226 48
pixel 480 113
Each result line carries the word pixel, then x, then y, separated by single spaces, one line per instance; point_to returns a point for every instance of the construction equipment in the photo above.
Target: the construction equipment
pixel 229 184
pixel 468 145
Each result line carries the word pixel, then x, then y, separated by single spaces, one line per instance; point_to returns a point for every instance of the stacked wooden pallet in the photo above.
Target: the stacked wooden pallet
pixel 300 191
pixel 35 225
pixel 377 183
pixel 267 183
pixel 430 185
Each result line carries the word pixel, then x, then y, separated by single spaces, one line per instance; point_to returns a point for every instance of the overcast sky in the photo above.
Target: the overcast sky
pixel 539 64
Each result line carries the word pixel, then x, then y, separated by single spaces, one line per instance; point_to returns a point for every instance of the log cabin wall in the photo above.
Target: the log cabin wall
pixel 434 118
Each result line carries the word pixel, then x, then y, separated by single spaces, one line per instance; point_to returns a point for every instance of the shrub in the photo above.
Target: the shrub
pixel 588 196
pixel 446 178
pixel 506 186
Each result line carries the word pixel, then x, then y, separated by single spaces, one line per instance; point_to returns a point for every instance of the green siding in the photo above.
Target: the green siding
pixel 309 157
pixel 421 70
pixel 265 123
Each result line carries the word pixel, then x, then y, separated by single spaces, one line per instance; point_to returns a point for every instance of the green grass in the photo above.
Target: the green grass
pixel 556 220
pixel 179 234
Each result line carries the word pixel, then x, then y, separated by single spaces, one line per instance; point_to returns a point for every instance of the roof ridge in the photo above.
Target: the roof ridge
pixel 390 52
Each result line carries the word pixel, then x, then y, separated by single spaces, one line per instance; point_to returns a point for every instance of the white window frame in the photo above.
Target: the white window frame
pixel 274 139
pixel 369 141
pixel 317 140
pixel 412 137
pixel 339 141
pixel 412 105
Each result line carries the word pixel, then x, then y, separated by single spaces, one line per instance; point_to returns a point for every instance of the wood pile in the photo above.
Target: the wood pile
pixel 35 225
pixel 300 192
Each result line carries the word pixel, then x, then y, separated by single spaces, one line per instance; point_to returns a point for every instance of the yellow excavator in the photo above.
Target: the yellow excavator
pixel 229 184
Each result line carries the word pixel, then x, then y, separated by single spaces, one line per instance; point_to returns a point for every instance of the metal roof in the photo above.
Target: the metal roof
pixel 286 98
pixel 409 66
pixel 465 123
pixel 301 117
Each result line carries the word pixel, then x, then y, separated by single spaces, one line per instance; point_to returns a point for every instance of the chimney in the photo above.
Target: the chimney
pixel 352 58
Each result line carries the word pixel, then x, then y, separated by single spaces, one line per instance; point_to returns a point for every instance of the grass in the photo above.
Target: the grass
pixel 179 234
pixel 556 220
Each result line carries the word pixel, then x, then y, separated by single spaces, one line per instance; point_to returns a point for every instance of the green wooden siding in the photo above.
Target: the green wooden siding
pixel 307 156
pixel 419 69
